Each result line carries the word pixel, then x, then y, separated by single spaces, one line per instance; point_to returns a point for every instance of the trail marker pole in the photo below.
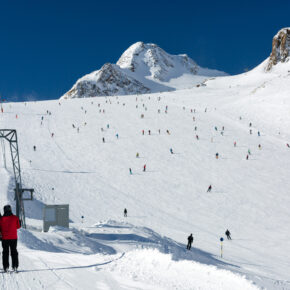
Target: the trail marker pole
pixel 221 239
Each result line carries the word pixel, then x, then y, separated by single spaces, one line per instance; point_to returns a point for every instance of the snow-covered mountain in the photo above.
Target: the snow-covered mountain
pixel 142 68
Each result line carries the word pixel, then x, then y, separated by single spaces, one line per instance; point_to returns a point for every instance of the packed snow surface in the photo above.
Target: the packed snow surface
pixel 167 202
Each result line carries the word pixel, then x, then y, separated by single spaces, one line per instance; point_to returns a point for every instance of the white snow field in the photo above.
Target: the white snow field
pixel 147 250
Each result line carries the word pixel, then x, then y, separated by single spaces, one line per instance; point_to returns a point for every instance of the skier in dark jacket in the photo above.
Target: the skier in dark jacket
pixel 9 224
pixel 209 189
pixel 228 234
pixel 190 240
pixel 125 212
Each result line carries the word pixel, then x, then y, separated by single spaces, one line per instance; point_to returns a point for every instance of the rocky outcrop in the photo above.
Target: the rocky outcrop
pixel 280 48
pixel 108 81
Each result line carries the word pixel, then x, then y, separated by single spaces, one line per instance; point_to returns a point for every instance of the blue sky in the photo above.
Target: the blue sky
pixel 45 46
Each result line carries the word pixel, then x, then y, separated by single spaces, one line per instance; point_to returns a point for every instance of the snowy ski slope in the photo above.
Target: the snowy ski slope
pixel 166 203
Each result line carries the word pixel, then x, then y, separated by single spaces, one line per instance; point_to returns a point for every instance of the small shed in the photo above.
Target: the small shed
pixel 55 215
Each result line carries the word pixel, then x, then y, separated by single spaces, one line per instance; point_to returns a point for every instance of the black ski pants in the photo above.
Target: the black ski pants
pixel 189 245
pixel 12 245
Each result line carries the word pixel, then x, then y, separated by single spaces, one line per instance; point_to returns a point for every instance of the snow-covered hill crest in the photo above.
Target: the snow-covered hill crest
pixel 142 68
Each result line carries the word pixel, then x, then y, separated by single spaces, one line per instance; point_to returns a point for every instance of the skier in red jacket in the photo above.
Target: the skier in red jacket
pixel 9 223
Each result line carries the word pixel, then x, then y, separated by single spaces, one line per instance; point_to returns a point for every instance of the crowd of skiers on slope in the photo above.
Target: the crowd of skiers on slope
pixel 9 224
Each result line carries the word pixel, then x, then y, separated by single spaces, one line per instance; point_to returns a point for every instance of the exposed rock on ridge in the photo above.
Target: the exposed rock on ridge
pixel 280 48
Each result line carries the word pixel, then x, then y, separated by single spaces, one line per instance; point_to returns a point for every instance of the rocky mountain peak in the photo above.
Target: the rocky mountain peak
pixel 280 48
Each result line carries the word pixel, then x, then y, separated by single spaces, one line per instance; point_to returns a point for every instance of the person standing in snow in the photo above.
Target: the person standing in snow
pixel 209 189
pixel 228 234
pixel 34 148
pixel 137 155
pixel 235 144
pixel 189 243
pixel 196 136
pixel 117 135
pixel 171 151
pixel 9 224
pixel 103 140
pixel 125 212
pixel 247 157
pixel 130 171
pixel 217 156
pixel 259 146
pixel 144 168
pixel 259 133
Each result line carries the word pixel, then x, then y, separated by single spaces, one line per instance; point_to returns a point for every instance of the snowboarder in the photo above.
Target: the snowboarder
pixel 9 224
pixel 130 170
pixel 144 168
pixel 125 212
pixel 171 151
pixel 228 234
pixel 190 240
pixel 209 189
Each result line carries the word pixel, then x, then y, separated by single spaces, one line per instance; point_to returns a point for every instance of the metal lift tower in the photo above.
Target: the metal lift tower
pixel 11 136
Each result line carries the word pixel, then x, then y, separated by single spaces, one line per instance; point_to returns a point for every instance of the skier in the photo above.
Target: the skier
pixel 34 148
pixel 193 118
pixel 235 144
pixel 288 145
pixel 250 125
pixel 171 151
pixel 247 157
pixel 108 126
pixel 149 132
pixel 144 168
pixel 228 234
pixel 130 170
pixel 137 155
pixel 52 134
pixel 259 133
pixel 222 133
pixel 223 128
pixel 250 131
pixel 143 132
pixel 117 135
pixel 215 128
pixel 159 131
pixel 195 128
pixel 125 212
pixel 209 189
pixel 190 240
pixel 9 224
pixel 103 140
pixel 167 131
pixel 217 156
pixel 259 146
pixel 196 136
pixel 249 151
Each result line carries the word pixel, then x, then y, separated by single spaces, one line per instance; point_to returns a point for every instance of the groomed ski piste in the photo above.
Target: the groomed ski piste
pixel 147 250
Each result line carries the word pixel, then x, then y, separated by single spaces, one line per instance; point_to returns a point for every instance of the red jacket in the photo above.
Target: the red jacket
pixel 8 227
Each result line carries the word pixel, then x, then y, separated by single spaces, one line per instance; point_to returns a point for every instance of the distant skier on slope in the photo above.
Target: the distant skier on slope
pixel 235 144
pixel 130 171
pixel 209 189
pixel 34 148
pixel 189 243
pixel 144 168
pixel 125 212
pixel 171 151
pixel 217 156
pixel 228 234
